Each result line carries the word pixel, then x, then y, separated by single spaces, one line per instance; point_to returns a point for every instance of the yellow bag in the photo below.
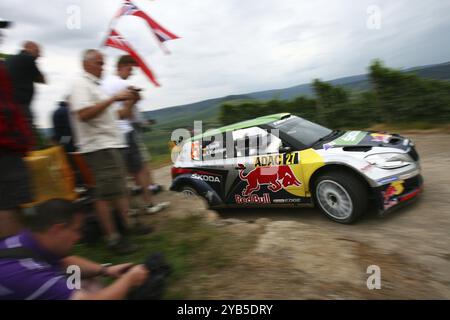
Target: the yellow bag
pixel 51 175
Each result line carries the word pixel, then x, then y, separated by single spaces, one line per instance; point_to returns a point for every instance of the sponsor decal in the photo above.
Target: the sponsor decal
pixel 327 146
pixel 410 195
pixel 381 137
pixel 350 138
pixel 277 159
pixel 390 196
pixel 265 198
pixel 366 168
pixel 205 177
pixel 195 150
pixel 387 180
pixel 276 178
pixel 294 200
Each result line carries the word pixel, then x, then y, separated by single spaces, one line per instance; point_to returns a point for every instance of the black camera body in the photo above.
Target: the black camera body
pixel 154 287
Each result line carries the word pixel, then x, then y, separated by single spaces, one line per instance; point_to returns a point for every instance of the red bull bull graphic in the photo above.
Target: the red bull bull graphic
pixel 276 178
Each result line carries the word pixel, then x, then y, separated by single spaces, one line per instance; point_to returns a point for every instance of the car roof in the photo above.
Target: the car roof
pixel 244 124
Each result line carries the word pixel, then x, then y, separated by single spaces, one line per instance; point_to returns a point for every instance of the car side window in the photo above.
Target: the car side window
pixel 214 147
pixel 254 141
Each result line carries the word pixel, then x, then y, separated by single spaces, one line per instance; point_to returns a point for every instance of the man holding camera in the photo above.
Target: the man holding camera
pixel 100 142
pixel 37 265
pixel 129 122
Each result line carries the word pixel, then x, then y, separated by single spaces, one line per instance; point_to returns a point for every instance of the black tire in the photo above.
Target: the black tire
pixel 341 196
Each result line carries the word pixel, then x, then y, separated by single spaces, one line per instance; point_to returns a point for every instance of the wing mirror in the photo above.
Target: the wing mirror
pixel 285 149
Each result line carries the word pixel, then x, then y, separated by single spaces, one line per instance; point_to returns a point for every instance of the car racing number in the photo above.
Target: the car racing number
pixel 285 159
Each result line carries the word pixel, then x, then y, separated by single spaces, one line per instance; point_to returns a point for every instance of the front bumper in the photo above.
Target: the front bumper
pixel 398 193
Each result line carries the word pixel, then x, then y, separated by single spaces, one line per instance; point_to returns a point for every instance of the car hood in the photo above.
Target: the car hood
pixel 367 139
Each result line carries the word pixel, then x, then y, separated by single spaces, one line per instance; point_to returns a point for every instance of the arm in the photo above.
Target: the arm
pixel 126 112
pixel 40 79
pixel 94 111
pixel 88 268
pixel 119 289
pixel 91 269
pixel 38 76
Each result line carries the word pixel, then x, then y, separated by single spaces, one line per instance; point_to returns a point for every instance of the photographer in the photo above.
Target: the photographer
pixel 33 263
pixel 98 139
pixel 129 122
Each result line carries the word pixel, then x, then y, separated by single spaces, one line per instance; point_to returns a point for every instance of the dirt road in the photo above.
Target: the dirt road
pixel 301 254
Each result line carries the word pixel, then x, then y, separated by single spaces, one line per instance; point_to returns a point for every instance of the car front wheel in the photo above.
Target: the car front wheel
pixel 341 196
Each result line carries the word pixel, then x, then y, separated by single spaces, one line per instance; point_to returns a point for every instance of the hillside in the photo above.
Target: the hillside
pixel 183 116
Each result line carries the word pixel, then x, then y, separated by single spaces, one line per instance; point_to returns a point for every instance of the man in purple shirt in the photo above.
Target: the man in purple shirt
pixel 34 264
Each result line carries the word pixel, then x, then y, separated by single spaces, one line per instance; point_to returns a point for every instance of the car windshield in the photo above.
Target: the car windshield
pixel 302 130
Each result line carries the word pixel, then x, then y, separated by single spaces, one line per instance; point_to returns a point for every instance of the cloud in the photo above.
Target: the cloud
pixel 231 47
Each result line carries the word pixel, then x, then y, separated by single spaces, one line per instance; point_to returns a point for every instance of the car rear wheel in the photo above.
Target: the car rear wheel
pixel 341 196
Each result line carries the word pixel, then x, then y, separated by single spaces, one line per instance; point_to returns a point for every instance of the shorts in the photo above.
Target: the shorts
pixel 15 182
pixel 109 173
pixel 136 155
pixel 143 151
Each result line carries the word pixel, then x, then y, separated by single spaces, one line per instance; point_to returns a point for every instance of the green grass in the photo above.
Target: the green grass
pixel 192 248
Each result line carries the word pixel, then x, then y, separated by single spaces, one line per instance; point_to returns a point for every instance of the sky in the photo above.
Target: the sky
pixel 228 46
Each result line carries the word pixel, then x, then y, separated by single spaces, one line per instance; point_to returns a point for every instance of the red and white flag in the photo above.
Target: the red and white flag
pixel 161 33
pixel 115 40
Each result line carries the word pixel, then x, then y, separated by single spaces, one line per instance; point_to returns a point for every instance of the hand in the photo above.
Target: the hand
pixel 136 93
pixel 137 275
pixel 123 95
pixel 136 96
pixel 118 270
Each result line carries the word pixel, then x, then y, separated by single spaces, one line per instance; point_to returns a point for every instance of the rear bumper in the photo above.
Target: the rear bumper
pixel 398 194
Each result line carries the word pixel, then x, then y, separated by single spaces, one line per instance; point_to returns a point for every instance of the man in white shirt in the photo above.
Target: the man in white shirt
pixel 136 154
pixel 98 139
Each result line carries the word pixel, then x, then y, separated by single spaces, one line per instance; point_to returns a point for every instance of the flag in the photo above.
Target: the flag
pixel 161 33
pixel 115 40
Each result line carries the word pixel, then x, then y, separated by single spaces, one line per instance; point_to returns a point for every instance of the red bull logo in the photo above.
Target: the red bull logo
pixel 389 196
pixel 276 178
pixel 255 199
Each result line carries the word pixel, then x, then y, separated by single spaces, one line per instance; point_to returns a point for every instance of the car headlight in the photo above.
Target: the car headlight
pixel 389 160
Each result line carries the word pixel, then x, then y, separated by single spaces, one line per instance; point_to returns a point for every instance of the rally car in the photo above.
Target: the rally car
pixel 285 160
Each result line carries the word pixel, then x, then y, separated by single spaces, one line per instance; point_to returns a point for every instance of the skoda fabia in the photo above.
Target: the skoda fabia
pixel 284 160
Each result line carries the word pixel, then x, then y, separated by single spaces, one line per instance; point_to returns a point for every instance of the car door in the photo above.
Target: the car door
pixel 259 173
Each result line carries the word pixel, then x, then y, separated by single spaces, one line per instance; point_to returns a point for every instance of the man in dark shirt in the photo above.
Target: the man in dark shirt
pixel 36 264
pixel 23 73
pixel 62 130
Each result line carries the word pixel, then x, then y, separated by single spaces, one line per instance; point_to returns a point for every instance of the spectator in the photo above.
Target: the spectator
pixel 15 141
pixel 62 130
pixel 33 263
pixel 24 73
pixel 99 140
pixel 136 154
